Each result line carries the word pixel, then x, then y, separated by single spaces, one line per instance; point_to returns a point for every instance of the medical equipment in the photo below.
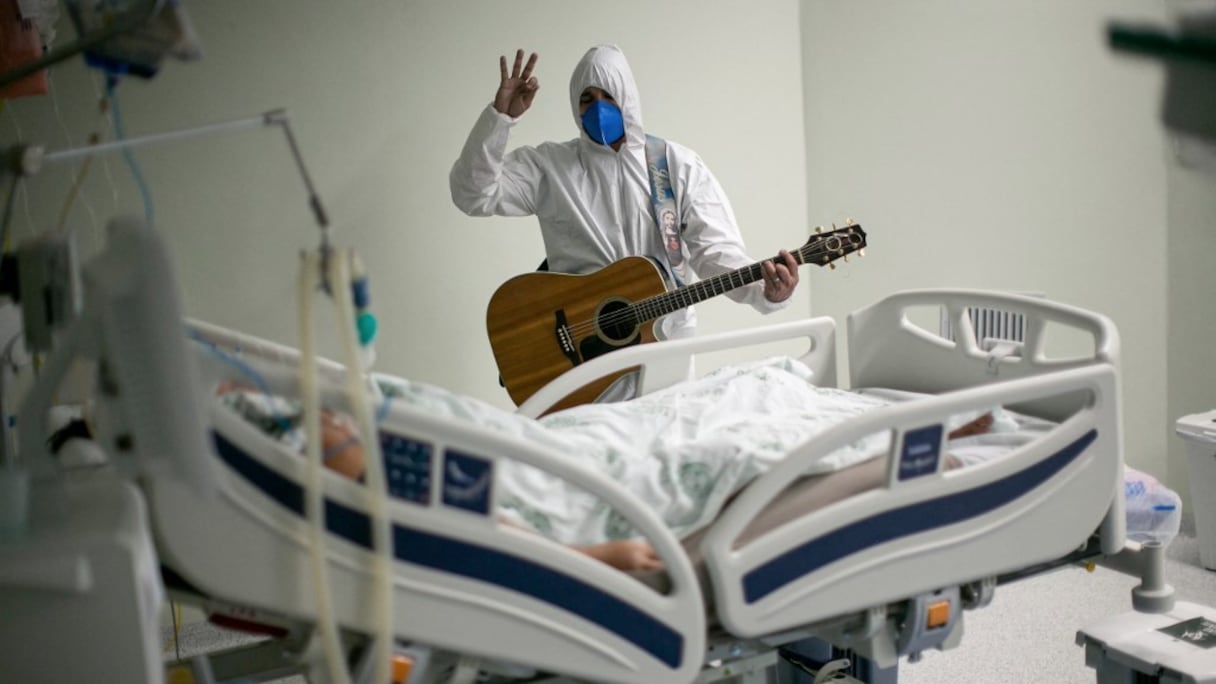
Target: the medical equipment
pixel 1168 647
pixel 78 557
pixel 129 316
pixel 1199 432
pixel 338 271
pixel 1188 52
pixel 21 41
pixel 165 32
pixel 131 36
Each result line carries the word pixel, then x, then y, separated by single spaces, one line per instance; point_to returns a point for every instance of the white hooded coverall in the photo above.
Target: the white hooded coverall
pixel 593 203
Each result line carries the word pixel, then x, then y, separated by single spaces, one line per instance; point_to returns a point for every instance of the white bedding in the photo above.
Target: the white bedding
pixel 683 450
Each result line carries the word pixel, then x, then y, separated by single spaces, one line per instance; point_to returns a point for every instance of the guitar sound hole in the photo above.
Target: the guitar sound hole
pixel 617 322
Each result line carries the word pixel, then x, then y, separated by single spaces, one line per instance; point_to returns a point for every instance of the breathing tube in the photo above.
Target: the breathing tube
pixel 335 266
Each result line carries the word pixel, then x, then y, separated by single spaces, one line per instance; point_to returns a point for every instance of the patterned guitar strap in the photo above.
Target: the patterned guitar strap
pixel 666 214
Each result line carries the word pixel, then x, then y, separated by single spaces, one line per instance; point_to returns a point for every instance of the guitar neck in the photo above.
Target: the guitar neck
pixel 684 297
pixel 821 250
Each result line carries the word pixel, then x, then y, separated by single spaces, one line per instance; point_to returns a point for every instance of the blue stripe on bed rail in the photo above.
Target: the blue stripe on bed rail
pixel 903 522
pixel 472 561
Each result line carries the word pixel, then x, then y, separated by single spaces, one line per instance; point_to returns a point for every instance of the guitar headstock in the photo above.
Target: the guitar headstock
pixel 825 247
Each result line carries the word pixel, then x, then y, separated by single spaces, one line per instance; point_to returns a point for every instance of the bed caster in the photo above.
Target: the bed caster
pixel 978 594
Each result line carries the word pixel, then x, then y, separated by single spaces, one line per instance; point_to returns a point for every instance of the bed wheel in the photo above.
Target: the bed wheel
pixel 978 594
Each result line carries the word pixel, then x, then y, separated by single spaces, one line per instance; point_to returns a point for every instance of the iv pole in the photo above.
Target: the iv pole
pixel 274 117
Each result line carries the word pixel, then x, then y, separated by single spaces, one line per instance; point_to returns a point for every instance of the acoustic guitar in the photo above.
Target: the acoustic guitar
pixel 543 324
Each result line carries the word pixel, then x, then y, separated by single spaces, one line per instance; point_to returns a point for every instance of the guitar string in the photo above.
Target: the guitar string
pixel 753 271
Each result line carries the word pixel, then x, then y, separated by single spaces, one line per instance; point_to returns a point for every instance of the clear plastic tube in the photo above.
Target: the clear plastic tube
pixel 314 490
pixel 377 489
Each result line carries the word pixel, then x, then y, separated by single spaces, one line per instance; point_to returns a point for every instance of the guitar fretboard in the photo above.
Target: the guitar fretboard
pixel 821 251
pixel 684 297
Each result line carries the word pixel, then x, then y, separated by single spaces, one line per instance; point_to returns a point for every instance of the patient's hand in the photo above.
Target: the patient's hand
pixel 978 426
pixel 627 554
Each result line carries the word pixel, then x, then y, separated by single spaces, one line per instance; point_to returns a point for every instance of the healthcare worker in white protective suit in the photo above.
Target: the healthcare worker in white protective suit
pixel 592 195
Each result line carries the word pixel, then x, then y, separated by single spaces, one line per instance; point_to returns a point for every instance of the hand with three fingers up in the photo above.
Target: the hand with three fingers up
pixel 517 88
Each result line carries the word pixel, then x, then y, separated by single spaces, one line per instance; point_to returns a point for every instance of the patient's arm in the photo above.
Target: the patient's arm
pixel 625 554
pixel 978 426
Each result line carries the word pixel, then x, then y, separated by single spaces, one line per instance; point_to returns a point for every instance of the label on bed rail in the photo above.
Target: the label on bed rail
pixel 407 467
pixel 921 450
pixel 466 482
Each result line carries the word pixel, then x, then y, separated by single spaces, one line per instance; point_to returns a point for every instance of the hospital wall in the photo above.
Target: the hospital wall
pixel 381 96
pixel 982 144
pixel 1004 146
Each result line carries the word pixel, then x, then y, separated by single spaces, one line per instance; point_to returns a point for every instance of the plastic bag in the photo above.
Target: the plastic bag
pixel 1154 511
pixel 20 43
pixel 140 50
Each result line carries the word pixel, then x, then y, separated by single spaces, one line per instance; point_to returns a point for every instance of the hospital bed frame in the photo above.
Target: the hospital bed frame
pixel 861 573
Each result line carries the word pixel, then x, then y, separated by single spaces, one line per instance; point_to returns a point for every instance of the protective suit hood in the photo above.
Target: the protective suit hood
pixel 605 67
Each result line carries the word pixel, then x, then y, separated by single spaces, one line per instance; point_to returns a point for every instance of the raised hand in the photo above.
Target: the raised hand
pixel 516 90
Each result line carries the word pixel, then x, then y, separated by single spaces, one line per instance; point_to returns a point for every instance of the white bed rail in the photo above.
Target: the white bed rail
pixel 536 619
pixel 668 362
pixel 886 349
pixel 928 531
pixel 249 346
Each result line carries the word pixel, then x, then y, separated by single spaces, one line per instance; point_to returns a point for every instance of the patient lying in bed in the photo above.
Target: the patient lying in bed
pixel 685 450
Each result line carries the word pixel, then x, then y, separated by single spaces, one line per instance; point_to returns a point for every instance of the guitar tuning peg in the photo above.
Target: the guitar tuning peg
pixel 846 258
pixel 850 221
pixel 833 225
pixel 818 229
pixel 861 252
pixel 832 266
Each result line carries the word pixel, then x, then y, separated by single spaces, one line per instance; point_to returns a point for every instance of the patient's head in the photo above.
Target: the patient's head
pixel 341 449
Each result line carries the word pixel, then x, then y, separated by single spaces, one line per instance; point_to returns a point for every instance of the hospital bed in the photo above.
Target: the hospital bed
pixel 879 558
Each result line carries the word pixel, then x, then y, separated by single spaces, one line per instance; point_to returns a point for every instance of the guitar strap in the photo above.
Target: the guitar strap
pixel 666 213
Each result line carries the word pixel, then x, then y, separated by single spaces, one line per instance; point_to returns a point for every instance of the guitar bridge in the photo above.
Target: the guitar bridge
pixel 564 339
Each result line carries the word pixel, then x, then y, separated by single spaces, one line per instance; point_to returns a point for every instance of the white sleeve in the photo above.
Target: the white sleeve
pixel 485 180
pixel 712 236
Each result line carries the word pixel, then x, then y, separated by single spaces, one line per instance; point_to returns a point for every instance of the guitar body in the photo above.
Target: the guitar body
pixel 543 324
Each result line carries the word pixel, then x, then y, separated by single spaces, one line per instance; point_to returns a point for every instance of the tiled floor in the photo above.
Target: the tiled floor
pixel 1028 633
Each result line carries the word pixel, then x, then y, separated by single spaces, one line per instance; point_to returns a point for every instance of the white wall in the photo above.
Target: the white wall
pixel 982 144
pixel 998 145
pixel 381 96
pixel 1192 314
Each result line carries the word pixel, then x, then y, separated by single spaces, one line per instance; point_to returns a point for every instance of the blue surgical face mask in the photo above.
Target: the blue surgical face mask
pixel 603 122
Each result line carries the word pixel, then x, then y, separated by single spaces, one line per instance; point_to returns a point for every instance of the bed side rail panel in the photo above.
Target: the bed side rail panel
pixel 463 581
pixel 925 532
